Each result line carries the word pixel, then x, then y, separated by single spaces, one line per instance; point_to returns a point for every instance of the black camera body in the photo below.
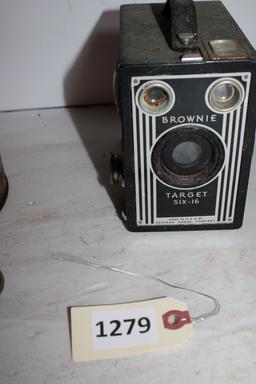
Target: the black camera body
pixel 186 93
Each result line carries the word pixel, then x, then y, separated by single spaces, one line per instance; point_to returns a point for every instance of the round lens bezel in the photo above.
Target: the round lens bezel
pixel 174 180
pixel 217 106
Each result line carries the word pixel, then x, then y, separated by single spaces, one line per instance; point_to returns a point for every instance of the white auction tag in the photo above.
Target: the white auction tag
pixel 111 331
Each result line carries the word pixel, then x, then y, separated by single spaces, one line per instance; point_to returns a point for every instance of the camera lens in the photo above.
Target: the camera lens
pixel 156 98
pixel 186 153
pixel 188 156
pixel 225 95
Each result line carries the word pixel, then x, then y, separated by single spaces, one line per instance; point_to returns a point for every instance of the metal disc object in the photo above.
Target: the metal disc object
pixel 1 281
pixel 3 185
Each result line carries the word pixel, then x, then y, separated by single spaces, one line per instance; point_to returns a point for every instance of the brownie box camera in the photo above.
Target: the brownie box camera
pixel 185 90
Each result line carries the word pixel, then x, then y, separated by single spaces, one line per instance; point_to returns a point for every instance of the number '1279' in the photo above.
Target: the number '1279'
pixel 143 323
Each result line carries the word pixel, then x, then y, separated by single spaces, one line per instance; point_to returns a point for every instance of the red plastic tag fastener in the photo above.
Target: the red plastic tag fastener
pixel 176 319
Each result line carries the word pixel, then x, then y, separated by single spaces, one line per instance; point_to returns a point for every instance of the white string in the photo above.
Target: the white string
pixel 195 319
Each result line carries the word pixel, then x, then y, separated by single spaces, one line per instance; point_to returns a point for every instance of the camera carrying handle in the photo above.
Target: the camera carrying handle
pixel 181 15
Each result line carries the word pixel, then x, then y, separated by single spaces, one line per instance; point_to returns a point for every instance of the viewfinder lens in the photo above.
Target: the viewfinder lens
pixel 225 96
pixel 156 98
